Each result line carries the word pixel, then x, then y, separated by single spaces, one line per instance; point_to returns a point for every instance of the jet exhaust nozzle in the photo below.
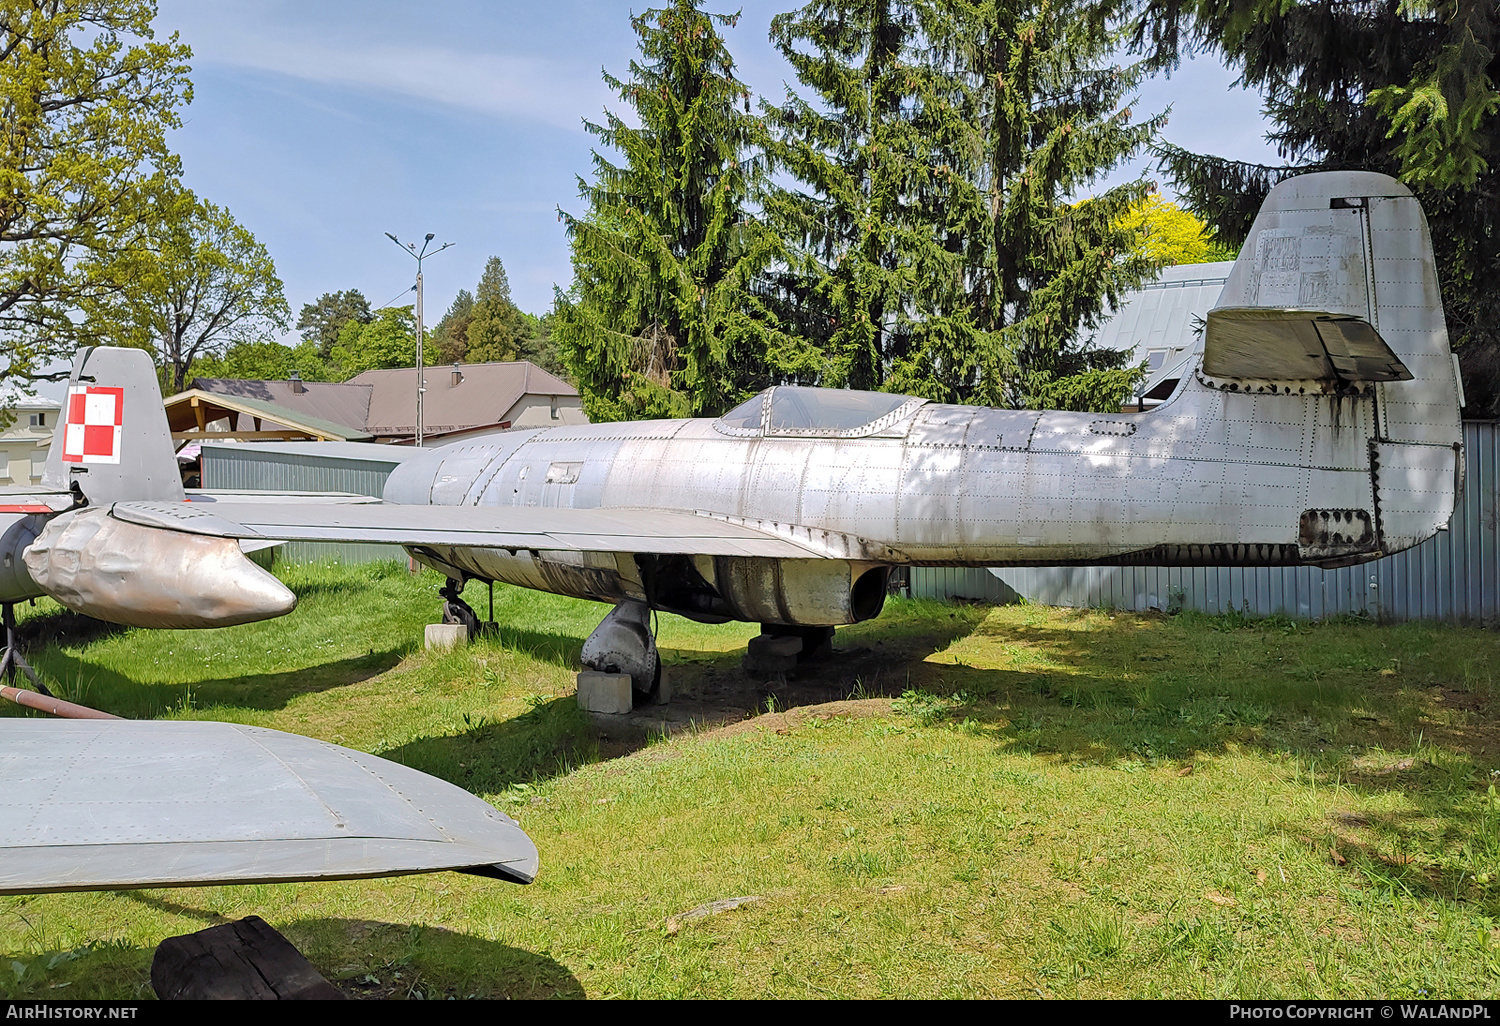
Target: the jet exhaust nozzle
pixel 146 577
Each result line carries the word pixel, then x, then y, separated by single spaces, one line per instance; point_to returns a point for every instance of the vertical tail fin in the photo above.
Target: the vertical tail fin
pixel 112 439
pixel 1336 293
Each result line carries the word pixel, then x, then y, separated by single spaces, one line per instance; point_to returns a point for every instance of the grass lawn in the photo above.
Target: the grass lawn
pixel 1011 802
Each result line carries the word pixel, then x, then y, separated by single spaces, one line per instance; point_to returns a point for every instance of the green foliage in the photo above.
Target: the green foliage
pixel 868 220
pixel 662 320
pixel 1401 88
pixel 1130 806
pixel 264 361
pixel 495 326
pixel 195 281
pixel 1051 118
pixel 86 99
pixel 938 237
pixel 320 322
pixel 450 339
pixel 1168 235
pixel 390 340
pixel 540 346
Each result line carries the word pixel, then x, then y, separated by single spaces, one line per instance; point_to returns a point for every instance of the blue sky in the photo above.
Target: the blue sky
pixel 323 125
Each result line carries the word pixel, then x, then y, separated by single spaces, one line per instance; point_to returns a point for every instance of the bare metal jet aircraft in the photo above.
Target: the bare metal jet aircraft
pixel 1320 427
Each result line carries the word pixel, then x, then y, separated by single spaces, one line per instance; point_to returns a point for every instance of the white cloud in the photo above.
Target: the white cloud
pixel 497 85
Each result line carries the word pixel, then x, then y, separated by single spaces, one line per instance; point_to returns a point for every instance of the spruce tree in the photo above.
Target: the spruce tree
pixel 661 320
pixel 870 263
pixel 942 234
pixel 495 325
pixel 1044 259
pixel 1407 89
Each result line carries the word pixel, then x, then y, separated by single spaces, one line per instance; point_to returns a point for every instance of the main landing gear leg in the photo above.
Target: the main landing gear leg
pixel 622 645
pixel 12 661
pixel 456 610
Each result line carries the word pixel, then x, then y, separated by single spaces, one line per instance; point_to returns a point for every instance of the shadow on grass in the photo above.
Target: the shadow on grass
pixel 63 627
pixel 363 958
pixel 1140 686
pixel 552 739
pixel 1360 709
pixel 557 649
pixel 88 683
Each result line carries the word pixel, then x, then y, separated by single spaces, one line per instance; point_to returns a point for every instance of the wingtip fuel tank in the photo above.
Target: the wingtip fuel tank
pixel 132 575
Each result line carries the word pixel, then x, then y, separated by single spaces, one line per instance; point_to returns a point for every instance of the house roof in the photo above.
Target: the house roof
pixel 383 403
pixel 1164 315
pixel 481 399
pixel 14 398
pixel 346 403
pixel 183 419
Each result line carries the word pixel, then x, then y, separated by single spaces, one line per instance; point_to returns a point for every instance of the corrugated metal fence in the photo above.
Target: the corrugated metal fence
pixel 1454 576
pixel 356 467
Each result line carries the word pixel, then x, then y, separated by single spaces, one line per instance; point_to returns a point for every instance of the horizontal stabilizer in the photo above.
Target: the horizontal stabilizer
pixel 105 805
pixel 1296 345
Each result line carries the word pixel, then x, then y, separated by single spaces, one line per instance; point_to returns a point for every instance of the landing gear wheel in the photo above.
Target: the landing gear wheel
pixel 622 643
pixel 456 610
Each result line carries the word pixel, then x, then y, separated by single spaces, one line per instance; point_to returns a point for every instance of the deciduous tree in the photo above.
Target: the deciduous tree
pixel 87 97
pixel 389 340
pixel 264 361
pixel 194 282
pixel 320 322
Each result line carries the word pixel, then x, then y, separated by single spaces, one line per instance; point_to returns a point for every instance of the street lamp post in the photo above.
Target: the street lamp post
pixel 419 255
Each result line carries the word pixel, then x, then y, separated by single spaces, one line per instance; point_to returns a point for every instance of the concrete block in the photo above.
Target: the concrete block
pixel 444 636
pixel 604 692
pixel 772 653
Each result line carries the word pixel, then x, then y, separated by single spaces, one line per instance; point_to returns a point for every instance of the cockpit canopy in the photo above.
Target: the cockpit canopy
pixel 798 411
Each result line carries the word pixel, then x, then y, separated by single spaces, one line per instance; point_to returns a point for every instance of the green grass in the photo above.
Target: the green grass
pixel 1047 802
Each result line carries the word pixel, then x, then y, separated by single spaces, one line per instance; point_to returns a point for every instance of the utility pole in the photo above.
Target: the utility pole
pixel 419 255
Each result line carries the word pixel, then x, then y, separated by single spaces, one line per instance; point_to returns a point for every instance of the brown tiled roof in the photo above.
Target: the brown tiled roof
pixel 481 399
pixel 384 402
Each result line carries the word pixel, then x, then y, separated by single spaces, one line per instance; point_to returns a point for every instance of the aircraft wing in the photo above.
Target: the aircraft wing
pixel 499 527
pixel 120 804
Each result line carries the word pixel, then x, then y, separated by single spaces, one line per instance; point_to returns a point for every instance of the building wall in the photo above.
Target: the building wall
pixel 23 448
pixel 263 468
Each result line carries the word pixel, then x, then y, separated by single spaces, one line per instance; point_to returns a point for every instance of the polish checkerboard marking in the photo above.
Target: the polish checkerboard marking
pixel 95 416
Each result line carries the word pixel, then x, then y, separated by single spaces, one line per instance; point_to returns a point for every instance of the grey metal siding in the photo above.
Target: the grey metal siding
pixel 1454 576
pixel 241 468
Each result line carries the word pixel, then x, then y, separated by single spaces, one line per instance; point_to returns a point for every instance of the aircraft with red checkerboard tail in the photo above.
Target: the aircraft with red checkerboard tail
pixel 103 803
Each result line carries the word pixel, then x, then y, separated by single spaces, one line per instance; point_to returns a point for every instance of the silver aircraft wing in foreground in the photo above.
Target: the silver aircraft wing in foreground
pixel 118 804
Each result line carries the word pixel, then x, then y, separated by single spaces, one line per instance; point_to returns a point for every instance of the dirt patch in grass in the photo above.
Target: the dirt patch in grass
pixel 781 722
